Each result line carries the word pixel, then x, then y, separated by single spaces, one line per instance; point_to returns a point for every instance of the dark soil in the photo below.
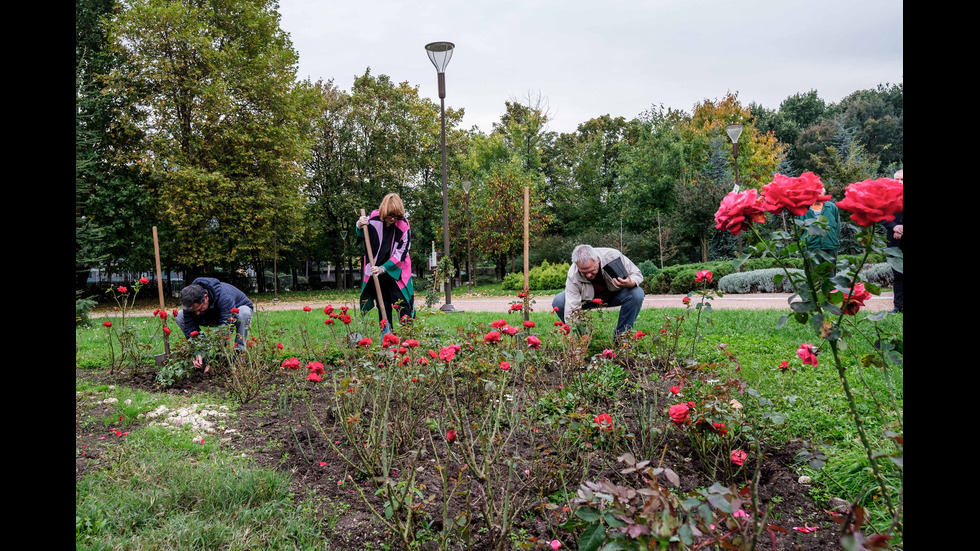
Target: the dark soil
pixel 284 439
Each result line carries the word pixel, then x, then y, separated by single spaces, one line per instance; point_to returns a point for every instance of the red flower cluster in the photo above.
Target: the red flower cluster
pixel 873 201
pixel 291 363
pixel 492 337
pixel 390 339
pixel 639 335
pixel 528 324
pixel 505 366
pixel 497 324
pixel 366 341
pixel 738 210
pixel 516 307
pixel 793 194
pixel 447 354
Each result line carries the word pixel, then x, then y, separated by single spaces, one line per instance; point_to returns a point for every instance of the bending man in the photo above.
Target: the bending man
pixel 587 282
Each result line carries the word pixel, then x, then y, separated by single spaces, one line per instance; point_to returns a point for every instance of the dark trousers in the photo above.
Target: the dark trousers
pixel 899 286
pixel 391 296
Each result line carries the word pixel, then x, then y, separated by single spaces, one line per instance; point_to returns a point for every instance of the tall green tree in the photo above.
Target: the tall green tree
pixel 209 87
pixel 379 138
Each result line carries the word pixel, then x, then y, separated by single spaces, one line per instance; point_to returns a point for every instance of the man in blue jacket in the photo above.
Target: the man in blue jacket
pixel 209 302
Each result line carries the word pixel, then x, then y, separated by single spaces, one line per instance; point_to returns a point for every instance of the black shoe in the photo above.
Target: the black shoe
pixel 896 310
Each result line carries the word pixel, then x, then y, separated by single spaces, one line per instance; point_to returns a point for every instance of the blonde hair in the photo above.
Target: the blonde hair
pixel 391 205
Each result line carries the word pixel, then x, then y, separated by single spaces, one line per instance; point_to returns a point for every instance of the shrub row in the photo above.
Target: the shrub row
pixel 679 279
pixel 762 281
pixel 543 277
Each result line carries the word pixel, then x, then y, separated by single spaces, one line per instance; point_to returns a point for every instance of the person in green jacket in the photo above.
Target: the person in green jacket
pixel 829 242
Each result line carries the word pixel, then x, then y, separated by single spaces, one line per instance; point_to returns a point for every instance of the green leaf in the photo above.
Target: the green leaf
pixel 592 537
pixel 782 321
pixel 588 514
pixel 687 537
pixel 611 520
pixel 801 307
pixel 896 264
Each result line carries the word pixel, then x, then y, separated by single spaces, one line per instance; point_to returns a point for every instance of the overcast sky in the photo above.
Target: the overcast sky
pixel 588 58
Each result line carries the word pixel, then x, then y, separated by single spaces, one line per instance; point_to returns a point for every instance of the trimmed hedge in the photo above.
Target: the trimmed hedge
pixel 679 279
pixel 761 281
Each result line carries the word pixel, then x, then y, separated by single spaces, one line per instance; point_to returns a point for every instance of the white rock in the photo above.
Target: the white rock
pixel 804 479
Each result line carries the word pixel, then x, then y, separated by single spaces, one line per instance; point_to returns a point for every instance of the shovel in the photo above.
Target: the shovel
pixel 377 284
pixel 160 359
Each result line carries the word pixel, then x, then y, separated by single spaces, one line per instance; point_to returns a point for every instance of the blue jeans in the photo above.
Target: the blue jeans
pixel 241 325
pixel 629 300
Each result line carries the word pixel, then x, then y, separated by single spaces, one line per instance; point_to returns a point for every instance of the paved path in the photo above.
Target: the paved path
pixel 761 301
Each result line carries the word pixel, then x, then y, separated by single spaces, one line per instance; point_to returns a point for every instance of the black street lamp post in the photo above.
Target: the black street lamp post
pixel 439 54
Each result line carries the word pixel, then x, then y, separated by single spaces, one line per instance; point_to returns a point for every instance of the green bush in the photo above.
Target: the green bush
pixel 648 269
pixel 676 279
pixel 544 277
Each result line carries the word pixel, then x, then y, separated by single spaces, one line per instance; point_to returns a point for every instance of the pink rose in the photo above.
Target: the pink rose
pixel 447 354
pixel 703 275
pixel 505 366
pixel 854 302
pixel 533 341
pixel 808 353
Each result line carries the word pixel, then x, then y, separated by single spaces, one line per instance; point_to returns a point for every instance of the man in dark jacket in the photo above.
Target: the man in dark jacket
pixel 895 229
pixel 209 302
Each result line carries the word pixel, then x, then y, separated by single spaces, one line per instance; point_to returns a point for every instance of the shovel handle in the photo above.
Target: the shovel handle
pixel 377 284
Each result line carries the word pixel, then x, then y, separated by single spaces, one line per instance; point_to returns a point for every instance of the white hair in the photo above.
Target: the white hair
pixel 900 174
pixel 584 252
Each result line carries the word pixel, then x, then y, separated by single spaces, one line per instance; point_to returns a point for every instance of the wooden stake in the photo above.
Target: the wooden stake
pixel 377 284
pixel 527 271
pixel 163 306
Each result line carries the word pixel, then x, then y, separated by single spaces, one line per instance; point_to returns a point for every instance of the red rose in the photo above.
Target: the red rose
pixel 639 335
pixel 234 310
pixel 533 341
pixel 291 363
pixel 329 321
pixel 314 376
pixel 738 210
pixel 505 365
pixel 389 339
pixel 873 201
pixel 498 324
pixel 783 366
pixel 529 324
pixel 447 354
pixel 328 309
pixel 122 289
pixel 678 414
pixel 366 341
pixel 604 422
pixel 144 281
pixel 686 300
pixel 316 367
pixel 703 275
pixel 510 330
pixel 307 309
pixel 163 314
pixel 451 436
pixel 675 389
pixel 194 333
pixel 597 301
pixel 107 324
pixel 166 330
pixel 279 345
pixel 492 337
pixel 854 302
pixel 411 343
pixel 738 457
pixel 720 428
pixel 345 318
pixel 793 194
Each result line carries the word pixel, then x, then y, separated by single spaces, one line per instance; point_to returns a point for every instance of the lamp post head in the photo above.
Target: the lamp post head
pixel 734 131
pixel 439 54
pixel 466 186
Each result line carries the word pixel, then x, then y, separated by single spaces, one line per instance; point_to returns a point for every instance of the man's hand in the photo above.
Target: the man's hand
pixel 898 231
pixel 625 283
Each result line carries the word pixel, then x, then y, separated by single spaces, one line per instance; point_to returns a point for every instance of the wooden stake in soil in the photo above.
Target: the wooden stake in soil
pixel 163 306
pixel 527 272
pixel 377 284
